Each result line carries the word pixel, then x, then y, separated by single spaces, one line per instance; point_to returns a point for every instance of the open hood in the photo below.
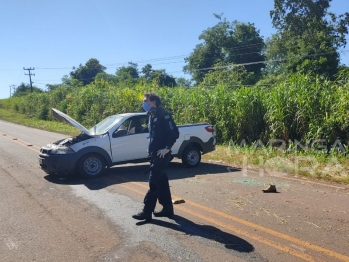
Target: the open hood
pixel 65 118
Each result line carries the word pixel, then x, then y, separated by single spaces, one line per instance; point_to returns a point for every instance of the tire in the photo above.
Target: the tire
pixel 91 165
pixel 191 156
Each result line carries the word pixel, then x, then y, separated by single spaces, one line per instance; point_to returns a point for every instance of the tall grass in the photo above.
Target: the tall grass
pixel 305 109
pixel 298 108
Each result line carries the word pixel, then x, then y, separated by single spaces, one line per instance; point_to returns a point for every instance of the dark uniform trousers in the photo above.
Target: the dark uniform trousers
pixel 158 184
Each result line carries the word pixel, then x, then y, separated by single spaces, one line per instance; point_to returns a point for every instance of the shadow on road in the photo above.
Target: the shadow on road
pixel 175 170
pixel 127 173
pixel 205 231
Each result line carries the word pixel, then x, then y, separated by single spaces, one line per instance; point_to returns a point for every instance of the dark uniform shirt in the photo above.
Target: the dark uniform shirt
pixel 163 131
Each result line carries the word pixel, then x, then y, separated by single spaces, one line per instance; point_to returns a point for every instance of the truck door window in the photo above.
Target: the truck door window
pixel 138 125
pixel 122 130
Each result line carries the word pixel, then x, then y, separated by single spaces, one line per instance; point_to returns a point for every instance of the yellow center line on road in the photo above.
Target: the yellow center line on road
pixel 230 217
pixel 260 239
pixel 21 142
pixel 264 229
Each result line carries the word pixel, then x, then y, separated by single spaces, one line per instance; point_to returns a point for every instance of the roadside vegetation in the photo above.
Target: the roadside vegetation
pixel 246 119
pixel 280 104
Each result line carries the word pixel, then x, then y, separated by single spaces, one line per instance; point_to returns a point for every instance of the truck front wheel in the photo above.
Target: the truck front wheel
pixel 91 165
pixel 191 156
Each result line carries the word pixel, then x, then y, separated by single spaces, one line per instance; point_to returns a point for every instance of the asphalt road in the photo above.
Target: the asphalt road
pixel 225 217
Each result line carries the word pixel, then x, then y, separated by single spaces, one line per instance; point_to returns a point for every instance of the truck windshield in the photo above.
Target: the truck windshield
pixel 103 126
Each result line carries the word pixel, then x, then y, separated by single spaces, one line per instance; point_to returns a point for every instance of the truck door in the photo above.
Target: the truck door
pixel 130 141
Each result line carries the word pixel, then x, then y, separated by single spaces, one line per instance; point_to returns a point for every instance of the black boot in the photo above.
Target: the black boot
pixel 165 212
pixel 143 216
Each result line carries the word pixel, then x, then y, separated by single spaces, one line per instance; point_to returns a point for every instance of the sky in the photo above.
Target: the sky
pixel 53 36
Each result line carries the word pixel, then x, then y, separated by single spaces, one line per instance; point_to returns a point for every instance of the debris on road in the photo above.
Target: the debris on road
pixel 270 189
pixel 177 201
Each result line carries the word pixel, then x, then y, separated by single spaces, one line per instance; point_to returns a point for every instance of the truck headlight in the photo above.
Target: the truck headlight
pixel 62 150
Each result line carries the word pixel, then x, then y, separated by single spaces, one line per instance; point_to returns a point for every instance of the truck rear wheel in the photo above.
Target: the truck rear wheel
pixel 91 165
pixel 191 156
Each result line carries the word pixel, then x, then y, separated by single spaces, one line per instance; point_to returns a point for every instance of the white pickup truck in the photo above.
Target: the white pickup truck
pixel 119 139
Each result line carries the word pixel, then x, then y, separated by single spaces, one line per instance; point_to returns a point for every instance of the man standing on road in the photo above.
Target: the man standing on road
pixel 163 133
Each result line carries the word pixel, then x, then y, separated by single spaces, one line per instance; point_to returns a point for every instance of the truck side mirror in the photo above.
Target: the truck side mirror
pixel 120 133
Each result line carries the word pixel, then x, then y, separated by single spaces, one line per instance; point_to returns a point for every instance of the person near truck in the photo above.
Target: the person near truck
pixel 163 133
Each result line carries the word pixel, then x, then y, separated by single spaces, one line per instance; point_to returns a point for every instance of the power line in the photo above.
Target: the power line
pixel 167 58
pixel 182 56
pixel 177 57
pixel 256 62
pixel 234 48
pixel 268 61
pixel 213 67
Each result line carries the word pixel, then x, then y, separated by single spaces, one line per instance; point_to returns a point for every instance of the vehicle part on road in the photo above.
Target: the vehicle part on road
pixel 191 156
pixel 270 189
pixel 177 201
pixel 91 165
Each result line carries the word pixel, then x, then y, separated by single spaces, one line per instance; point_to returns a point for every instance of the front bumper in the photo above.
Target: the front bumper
pixel 58 164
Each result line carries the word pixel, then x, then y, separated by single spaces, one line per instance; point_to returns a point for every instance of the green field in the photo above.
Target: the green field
pixel 299 110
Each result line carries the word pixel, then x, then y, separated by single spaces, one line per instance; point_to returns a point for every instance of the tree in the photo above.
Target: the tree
pixel 51 87
pixel 146 71
pixel 126 73
pixel 87 73
pixel 106 77
pixel 160 77
pixel 181 81
pixel 226 43
pixel 232 77
pixel 308 37
pixel 25 89
pixel 67 80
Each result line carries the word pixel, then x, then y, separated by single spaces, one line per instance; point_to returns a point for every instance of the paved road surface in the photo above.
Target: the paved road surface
pixel 226 217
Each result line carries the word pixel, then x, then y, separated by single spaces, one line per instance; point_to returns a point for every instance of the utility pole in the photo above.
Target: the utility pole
pixel 12 87
pixel 30 77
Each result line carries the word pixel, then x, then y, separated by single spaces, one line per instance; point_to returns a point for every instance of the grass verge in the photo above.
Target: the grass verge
pixel 52 126
pixel 329 167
